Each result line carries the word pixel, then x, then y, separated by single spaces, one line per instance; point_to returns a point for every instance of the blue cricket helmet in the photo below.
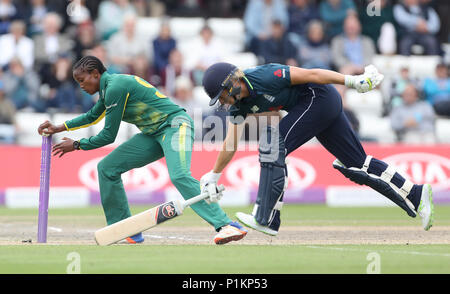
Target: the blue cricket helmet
pixel 217 78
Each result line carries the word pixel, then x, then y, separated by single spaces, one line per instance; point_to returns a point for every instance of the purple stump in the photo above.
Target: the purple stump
pixel 44 189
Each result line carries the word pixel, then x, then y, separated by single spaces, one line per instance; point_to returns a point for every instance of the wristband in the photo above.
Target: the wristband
pixel 215 176
pixel 349 81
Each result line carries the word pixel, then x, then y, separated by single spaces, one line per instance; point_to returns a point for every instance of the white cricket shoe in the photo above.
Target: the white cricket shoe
pixel 231 232
pixel 426 208
pixel 249 221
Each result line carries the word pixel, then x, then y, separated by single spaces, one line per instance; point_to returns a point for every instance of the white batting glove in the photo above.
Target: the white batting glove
pixel 214 194
pixel 365 82
pixel 208 184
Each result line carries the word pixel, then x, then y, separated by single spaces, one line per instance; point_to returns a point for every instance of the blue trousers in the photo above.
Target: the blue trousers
pixel 320 114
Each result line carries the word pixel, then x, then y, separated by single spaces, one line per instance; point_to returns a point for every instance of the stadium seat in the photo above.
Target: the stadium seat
pixel 201 97
pixel 28 123
pixel 423 66
pixel 419 66
pixel 185 28
pixel 379 128
pixel 443 130
pixel 242 60
pixel 365 103
pixel 390 65
pixel 231 30
pixel 148 27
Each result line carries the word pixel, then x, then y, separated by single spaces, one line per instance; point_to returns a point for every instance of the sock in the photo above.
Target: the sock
pixel 415 195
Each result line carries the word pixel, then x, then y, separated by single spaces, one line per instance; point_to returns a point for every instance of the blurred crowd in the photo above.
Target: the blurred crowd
pixel 41 39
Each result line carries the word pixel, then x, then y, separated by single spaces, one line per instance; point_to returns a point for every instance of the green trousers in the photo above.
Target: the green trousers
pixel 175 144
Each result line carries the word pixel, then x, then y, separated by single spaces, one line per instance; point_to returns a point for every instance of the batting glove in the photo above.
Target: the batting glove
pixel 365 82
pixel 208 184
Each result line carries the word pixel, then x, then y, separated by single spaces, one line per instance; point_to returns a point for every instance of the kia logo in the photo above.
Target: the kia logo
pixel 244 172
pixel 151 177
pixel 420 167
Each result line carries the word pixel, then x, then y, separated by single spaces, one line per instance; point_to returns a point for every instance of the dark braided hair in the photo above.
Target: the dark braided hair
pixel 88 64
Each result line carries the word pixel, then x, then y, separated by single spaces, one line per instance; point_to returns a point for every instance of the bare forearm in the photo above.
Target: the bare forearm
pixel 317 76
pixel 222 160
pixel 324 76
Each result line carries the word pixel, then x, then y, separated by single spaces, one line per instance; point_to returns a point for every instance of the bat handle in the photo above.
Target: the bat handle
pixel 200 197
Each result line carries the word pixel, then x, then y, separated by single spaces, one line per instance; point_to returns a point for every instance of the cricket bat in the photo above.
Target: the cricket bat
pixel 146 219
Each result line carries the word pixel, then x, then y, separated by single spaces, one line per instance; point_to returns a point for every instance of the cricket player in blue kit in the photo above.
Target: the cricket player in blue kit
pixel 314 110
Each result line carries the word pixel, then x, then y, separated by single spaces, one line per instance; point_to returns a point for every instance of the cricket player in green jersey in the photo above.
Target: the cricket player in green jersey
pixel 166 131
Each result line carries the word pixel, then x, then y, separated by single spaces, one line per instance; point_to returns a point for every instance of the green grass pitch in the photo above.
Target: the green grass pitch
pixel 236 258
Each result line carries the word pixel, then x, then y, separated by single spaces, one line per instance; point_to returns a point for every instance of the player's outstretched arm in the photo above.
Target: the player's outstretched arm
pixel 208 182
pixel 362 83
pixel 229 147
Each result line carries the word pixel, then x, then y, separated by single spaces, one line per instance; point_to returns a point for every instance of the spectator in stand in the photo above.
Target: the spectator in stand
pixel 162 46
pixel 7 118
pixel 414 120
pixel 8 13
pixel 51 43
pixel 16 44
pixel 443 10
pixel 314 51
pixel 301 12
pixel 111 15
pixel 204 51
pixel 258 18
pixel 85 40
pixel 34 13
pixel 99 50
pixel 58 89
pixel 398 85
pixel 352 51
pixel 21 85
pixel 183 95
pixel 172 71
pixel 437 90
pixel 278 48
pixel 333 13
pixel 419 24
pixel 128 51
pixel 380 28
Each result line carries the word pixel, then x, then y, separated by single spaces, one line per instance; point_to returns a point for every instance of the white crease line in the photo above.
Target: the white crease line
pixel 59 230
pixel 171 237
pixel 384 251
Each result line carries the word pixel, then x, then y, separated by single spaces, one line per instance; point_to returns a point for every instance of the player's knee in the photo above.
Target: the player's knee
pixel 181 179
pixel 106 170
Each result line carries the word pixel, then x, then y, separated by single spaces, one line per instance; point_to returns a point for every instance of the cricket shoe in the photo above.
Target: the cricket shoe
pixel 249 221
pixel 135 239
pixel 231 232
pixel 426 207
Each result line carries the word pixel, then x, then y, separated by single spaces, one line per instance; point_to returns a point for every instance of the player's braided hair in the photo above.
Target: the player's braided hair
pixel 88 64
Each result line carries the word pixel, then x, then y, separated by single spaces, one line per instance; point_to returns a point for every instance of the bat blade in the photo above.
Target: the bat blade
pixel 146 219
pixel 138 223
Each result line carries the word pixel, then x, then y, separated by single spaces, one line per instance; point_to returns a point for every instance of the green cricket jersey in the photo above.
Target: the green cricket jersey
pixel 128 98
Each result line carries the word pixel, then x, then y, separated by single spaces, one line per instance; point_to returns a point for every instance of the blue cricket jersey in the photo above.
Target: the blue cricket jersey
pixel 270 89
